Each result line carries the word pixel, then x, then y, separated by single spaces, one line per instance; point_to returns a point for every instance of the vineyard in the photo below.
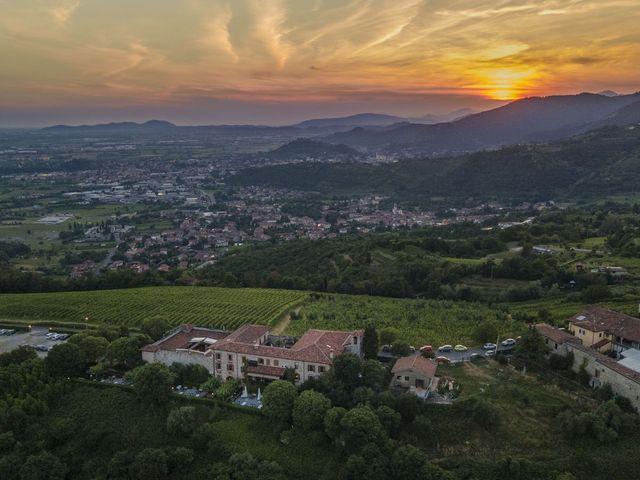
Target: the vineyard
pixel 215 307
pixel 418 322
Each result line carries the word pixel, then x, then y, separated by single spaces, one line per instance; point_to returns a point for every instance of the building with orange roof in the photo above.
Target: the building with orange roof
pixel 248 351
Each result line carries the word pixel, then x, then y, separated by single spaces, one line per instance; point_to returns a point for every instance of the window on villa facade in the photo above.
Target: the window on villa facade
pixel 276 363
pixel 406 378
pixel 230 358
pixel 230 367
pixel 311 368
pixel 218 366
pixel 261 361
pixel 321 369
pixel 295 365
pixel 355 340
pixel 399 377
pixel 268 361
pixel 217 356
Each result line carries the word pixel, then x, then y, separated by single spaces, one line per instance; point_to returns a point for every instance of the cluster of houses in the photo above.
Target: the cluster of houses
pixel 603 342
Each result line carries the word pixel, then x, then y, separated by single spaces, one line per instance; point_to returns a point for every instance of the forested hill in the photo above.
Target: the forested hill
pixel 306 148
pixel 599 163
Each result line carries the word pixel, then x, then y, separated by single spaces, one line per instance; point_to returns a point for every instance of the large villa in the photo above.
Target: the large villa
pixel 250 351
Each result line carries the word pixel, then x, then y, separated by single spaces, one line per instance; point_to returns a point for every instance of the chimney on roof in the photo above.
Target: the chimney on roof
pixel 331 353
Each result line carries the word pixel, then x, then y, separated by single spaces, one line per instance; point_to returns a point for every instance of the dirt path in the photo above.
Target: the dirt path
pixel 283 323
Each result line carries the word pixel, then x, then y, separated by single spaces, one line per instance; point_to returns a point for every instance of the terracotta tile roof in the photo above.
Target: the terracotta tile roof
pixel 555 334
pixel 309 354
pixel 266 370
pixel 248 334
pixel 181 337
pixel 416 363
pixel 315 346
pixel 598 319
pixel 328 342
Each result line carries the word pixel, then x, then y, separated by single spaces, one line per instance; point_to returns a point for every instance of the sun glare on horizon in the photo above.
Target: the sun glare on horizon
pixel 506 83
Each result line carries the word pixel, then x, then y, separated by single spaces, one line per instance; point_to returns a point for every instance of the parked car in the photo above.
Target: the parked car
pixel 9 332
pixel 443 360
pixel 509 342
pixel 426 349
pixel 2 331
pixel 489 353
pixel 489 346
pixel 62 336
pixel 43 348
pixel 475 356
pixel 445 348
pixel 460 348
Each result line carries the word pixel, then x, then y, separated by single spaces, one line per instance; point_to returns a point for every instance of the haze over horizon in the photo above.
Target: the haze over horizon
pixel 279 62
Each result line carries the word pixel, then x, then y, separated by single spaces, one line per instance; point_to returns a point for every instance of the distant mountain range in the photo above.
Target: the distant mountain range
pixel 526 120
pixel 381 120
pixel 331 124
pixel 149 125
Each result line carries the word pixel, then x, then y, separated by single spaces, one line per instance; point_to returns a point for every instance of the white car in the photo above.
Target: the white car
pixel 509 342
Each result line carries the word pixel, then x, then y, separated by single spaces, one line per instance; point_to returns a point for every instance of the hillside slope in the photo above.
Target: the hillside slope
pixel 529 119
pixel 599 163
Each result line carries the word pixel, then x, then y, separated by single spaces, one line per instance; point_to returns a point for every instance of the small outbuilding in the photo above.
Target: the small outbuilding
pixel 414 371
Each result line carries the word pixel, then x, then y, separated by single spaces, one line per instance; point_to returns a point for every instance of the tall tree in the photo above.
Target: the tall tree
pixel 278 401
pixel 309 410
pixel 65 360
pixel 152 382
pixel 370 342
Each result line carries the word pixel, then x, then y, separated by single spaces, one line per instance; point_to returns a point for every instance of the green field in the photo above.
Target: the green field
pixel 204 306
pixel 418 322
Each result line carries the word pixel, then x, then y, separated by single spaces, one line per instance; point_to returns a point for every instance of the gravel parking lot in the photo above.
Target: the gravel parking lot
pixel 35 337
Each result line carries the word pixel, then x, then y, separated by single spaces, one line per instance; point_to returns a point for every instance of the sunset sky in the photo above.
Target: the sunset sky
pixel 277 61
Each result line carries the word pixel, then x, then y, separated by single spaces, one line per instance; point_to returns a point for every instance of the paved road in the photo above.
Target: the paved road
pixel 465 356
pixel 107 260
